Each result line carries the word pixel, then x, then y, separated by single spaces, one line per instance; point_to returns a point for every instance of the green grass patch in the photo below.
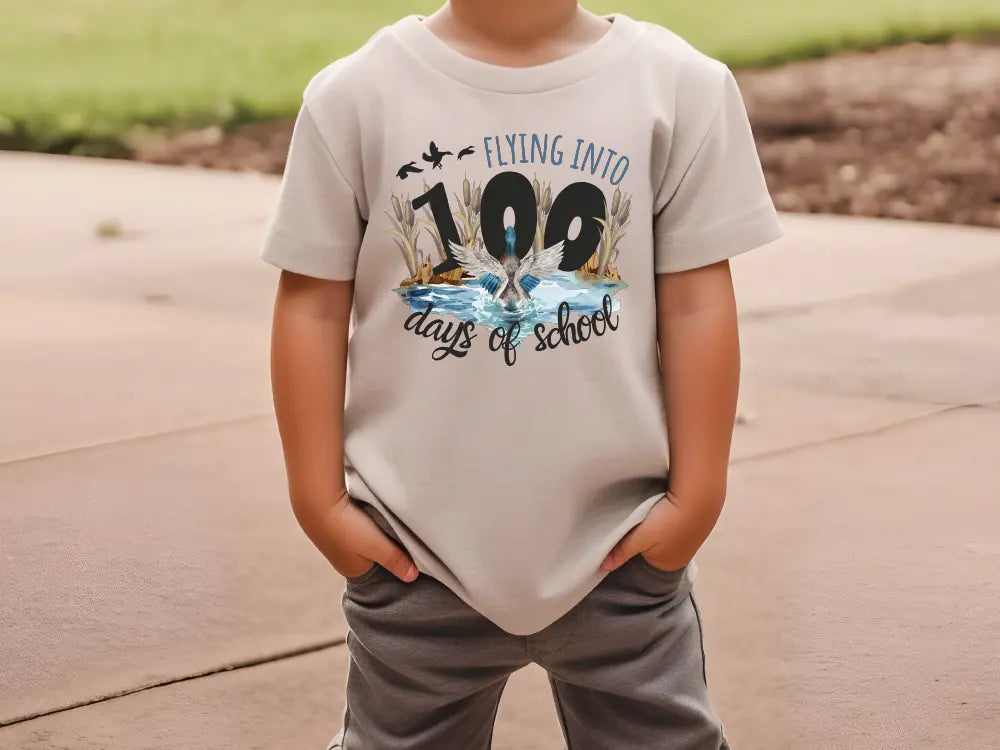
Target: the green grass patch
pixel 77 76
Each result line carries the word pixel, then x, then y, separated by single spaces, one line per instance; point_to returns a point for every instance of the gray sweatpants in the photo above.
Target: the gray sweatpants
pixel 626 666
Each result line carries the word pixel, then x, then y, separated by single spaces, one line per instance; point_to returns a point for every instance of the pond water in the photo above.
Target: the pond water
pixel 472 302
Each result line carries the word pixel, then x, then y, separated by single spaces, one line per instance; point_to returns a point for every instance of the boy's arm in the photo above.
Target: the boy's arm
pixel 700 362
pixel 308 374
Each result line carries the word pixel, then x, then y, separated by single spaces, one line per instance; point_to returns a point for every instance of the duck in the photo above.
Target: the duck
pixel 408 169
pixel 436 156
pixel 509 280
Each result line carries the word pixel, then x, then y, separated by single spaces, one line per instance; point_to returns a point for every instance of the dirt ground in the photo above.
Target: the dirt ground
pixel 910 132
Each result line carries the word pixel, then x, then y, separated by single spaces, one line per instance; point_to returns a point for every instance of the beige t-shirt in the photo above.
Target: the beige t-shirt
pixel 503 227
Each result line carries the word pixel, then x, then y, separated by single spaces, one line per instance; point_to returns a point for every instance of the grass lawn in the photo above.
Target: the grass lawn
pixel 80 74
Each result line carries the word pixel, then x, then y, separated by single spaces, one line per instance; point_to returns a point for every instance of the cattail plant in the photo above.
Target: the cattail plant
pixel 467 218
pixel 543 202
pixel 432 228
pixel 404 231
pixel 614 229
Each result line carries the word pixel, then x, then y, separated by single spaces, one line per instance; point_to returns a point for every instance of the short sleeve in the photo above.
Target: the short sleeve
pixel 316 228
pixel 713 202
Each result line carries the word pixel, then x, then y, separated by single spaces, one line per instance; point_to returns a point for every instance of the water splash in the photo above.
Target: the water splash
pixel 471 302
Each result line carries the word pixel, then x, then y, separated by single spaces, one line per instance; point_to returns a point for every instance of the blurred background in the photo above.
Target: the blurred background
pixel 155 591
pixel 907 133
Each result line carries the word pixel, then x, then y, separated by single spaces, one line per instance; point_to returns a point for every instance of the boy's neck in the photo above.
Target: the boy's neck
pixel 517 23
pixel 516 32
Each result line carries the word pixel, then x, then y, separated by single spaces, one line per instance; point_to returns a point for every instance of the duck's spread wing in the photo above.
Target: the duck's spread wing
pixel 481 264
pixel 476 260
pixel 537 265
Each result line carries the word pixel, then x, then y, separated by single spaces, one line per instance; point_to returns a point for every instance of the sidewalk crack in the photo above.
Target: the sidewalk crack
pixel 140 438
pixel 863 433
pixel 242 664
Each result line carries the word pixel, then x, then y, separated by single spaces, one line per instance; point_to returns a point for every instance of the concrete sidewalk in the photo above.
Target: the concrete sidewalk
pixel 156 593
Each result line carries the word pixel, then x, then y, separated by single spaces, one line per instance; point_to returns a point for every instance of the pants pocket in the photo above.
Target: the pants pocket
pixel 366 576
pixel 660 572
pixel 641 581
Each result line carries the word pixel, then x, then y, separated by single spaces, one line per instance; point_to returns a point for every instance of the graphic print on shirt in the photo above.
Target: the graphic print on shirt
pixel 533 262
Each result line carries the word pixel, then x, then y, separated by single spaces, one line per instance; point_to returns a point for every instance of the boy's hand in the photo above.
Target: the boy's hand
pixel 353 542
pixel 658 538
pixel 699 348
pixel 308 374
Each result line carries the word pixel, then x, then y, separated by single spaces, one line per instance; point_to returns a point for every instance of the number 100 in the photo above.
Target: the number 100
pixel 513 190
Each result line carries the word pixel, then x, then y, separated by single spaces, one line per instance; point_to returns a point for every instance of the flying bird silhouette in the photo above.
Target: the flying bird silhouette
pixel 406 169
pixel 510 280
pixel 435 156
pixel 465 152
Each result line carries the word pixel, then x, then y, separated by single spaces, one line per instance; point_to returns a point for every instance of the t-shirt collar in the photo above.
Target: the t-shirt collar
pixel 422 42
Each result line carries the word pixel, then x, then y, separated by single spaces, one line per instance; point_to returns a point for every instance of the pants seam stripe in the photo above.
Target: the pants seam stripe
pixel 701 639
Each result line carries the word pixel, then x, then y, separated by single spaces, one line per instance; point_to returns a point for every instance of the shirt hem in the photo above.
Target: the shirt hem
pixel 733 238
pixel 299 258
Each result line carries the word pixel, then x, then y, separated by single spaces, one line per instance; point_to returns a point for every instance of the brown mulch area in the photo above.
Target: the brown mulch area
pixel 910 132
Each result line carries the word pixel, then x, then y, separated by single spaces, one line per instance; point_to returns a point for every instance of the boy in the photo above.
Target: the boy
pixel 527 210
